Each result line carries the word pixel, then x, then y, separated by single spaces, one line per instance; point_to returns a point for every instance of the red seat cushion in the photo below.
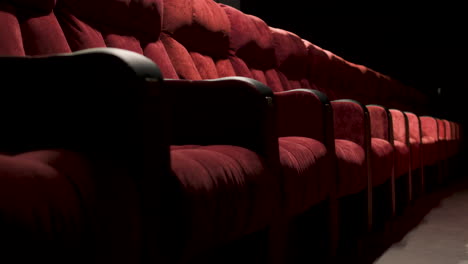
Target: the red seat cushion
pixel 381 161
pixel 402 158
pixel 304 166
pixel 44 197
pixel 227 190
pixel 352 176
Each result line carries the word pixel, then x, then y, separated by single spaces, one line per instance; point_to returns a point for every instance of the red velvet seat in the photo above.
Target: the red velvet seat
pixel 443 132
pixel 432 153
pixel 44 200
pixel 382 158
pixel 402 143
pixel 224 191
pixel 402 159
pixel 349 127
pixel 451 137
pixel 352 173
pixel 382 161
pixel 403 173
pixel 303 153
pixel 238 194
pixel 66 190
pixel 304 182
pixel 414 140
pixel 442 139
pixel 429 140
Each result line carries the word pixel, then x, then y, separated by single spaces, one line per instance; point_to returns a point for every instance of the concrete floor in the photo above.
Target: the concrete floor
pixel 440 238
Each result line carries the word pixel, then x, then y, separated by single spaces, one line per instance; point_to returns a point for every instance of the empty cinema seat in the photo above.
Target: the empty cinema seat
pixel 303 121
pixel 430 152
pixel 443 132
pixel 72 153
pixel 415 143
pixel 303 155
pixel 403 175
pixel 383 161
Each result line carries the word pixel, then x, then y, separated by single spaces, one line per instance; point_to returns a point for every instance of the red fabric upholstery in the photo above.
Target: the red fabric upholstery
pixel 299 113
pixel 291 58
pixel 415 140
pixel 250 39
pixel 352 175
pixel 10 31
pixel 349 121
pixel 338 78
pixel 416 155
pixel 304 165
pixel 452 142
pixel 44 201
pixel 402 143
pixel 322 73
pixel 359 83
pixel 227 192
pixel 292 106
pixel 200 26
pixel 203 29
pixel 319 69
pixel 382 161
pixel 400 132
pixel 430 151
pixel 441 129
pixel 402 157
pixel 251 42
pixel 85 28
pixel 349 126
pixel 448 132
pixel 43 35
pixel 141 19
pixel 240 67
pixel 379 122
pixel 382 157
pixel 181 59
pixel 442 141
pixel 430 148
pixel 429 127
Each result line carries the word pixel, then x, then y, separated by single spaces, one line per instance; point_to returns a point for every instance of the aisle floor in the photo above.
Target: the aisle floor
pixel 440 238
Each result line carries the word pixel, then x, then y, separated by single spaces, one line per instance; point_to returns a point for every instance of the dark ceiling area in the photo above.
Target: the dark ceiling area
pixel 425 49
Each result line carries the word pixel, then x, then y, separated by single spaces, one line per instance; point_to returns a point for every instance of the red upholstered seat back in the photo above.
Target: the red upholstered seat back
pixel 325 71
pixel 131 25
pixel 448 131
pixel 196 36
pixel 441 129
pixel 399 125
pixel 358 83
pixel 291 58
pixel 429 127
pixel 379 122
pixel 252 51
pixel 41 28
pixel 414 127
pixel 30 28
